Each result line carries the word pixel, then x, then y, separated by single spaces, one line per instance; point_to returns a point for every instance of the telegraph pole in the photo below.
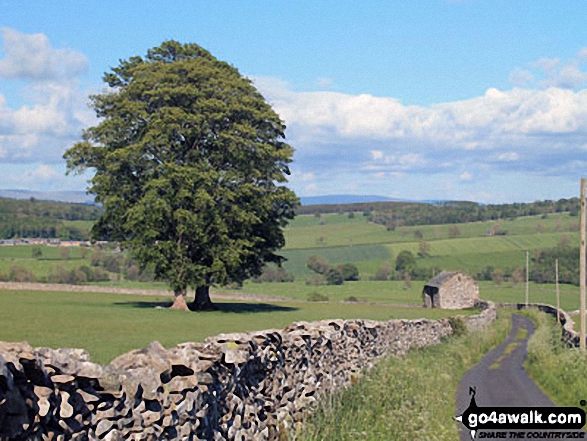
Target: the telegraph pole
pixel 582 267
pixel 558 299
pixel 527 277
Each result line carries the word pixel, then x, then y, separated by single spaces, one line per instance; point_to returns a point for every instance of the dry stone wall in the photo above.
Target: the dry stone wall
pixel 251 386
pixel 568 334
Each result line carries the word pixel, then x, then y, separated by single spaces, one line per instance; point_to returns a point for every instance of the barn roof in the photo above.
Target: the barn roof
pixel 440 278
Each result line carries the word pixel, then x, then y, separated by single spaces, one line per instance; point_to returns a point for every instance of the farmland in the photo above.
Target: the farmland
pixel 108 324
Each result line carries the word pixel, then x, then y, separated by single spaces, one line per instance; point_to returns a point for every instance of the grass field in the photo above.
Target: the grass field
pixel 305 232
pixel 108 325
pixel 397 292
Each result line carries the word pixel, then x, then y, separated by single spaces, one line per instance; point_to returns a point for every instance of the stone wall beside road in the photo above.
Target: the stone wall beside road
pixel 250 386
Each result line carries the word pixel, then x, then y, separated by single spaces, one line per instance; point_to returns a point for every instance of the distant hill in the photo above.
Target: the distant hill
pixel 79 197
pixel 336 199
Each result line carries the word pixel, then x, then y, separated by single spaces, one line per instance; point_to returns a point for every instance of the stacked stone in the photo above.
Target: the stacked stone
pixel 252 386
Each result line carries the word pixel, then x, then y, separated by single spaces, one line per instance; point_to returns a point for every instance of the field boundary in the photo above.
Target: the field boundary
pixel 254 385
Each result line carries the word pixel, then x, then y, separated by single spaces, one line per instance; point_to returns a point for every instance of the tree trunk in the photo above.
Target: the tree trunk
pixel 202 301
pixel 179 302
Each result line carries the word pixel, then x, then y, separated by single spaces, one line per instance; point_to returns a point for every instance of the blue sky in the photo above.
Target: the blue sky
pixel 445 99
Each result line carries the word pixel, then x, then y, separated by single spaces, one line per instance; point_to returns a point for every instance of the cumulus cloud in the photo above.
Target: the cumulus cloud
pixel 30 56
pixel 552 72
pixel 56 109
pixel 339 134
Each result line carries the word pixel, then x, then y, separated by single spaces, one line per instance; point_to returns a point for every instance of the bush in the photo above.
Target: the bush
pixel 97 257
pixel 113 263
pixel 349 271
pixel 351 299
pixel 100 275
pixel 133 272
pixel 316 297
pixel 334 277
pixel 274 275
pixel 318 264
pixel 20 274
pixel 458 326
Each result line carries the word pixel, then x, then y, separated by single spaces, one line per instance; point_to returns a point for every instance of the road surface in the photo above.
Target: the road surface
pixel 500 380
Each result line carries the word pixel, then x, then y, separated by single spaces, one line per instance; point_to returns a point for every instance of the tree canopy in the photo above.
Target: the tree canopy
pixel 189 163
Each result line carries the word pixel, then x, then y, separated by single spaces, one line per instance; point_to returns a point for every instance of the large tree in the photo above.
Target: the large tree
pixel 189 165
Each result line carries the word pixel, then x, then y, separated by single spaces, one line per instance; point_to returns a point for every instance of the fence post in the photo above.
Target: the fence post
pixel 582 267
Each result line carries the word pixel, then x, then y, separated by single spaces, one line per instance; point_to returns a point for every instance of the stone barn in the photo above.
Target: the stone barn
pixel 451 290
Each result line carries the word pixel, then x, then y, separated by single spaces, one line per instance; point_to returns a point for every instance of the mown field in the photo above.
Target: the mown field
pixel 108 325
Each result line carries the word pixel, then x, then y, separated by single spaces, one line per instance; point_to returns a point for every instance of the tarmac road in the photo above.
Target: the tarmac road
pixel 500 380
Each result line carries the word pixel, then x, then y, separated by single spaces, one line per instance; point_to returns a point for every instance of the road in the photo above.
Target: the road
pixel 500 380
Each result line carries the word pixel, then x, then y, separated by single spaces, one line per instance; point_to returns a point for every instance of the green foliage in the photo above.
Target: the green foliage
pixel 274 275
pixel 558 370
pixel 318 264
pixel 21 274
pixel 334 277
pixel 189 160
pixel 45 219
pixel 348 271
pixel 451 212
pixel 405 262
pixel 458 326
pixel 542 269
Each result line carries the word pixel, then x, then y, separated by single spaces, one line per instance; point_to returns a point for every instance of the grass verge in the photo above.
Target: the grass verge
pixel 410 398
pixel 558 370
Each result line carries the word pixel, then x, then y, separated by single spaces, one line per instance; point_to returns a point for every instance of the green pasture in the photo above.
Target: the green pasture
pixel 364 290
pixel 470 254
pixel 338 230
pixel 108 325
pixel 296 259
pixel 25 252
pixel 397 292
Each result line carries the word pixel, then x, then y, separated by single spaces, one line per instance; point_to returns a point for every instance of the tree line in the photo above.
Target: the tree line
pixel 396 214
pixel 45 219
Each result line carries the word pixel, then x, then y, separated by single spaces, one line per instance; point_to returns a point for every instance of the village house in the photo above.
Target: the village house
pixel 451 290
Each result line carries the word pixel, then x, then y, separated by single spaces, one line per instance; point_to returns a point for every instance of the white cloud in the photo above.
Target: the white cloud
pixel 507 157
pixel 466 176
pixel 56 109
pixel 377 154
pixel 341 137
pixel 31 57
pixel 552 72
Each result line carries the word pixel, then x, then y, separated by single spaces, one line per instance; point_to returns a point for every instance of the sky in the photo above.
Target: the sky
pixel 482 100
